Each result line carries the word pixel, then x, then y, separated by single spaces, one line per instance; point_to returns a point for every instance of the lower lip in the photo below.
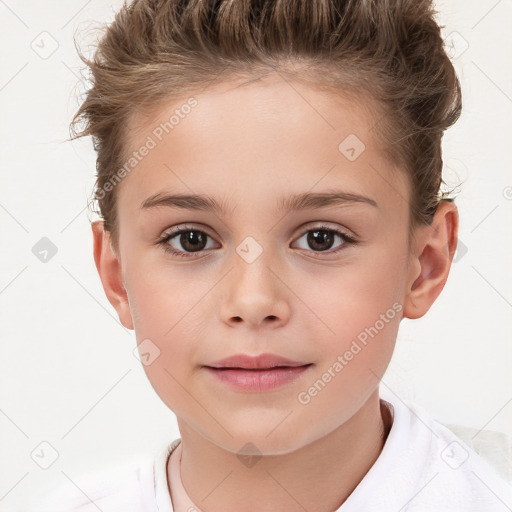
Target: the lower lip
pixel 257 381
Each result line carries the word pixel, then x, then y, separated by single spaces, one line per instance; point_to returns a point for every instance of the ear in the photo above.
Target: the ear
pixel 432 254
pixel 109 269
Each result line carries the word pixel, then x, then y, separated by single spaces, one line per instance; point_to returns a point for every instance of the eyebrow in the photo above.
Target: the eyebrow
pixel 304 201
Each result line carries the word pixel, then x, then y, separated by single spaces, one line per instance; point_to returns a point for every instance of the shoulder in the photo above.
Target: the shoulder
pixel 117 488
pixel 453 475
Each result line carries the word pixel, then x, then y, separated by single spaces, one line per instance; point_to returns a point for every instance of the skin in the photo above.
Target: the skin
pixel 248 146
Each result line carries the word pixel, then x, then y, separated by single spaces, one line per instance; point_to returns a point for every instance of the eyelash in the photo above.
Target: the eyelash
pixel 348 240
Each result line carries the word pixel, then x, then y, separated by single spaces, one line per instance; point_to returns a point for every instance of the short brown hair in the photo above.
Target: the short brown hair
pixel 390 50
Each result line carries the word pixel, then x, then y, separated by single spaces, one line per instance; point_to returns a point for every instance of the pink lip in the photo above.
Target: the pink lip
pixel 256 373
pixel 257 381
pixel 262 361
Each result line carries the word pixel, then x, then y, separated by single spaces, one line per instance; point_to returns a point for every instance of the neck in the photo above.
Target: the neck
pixel 319 476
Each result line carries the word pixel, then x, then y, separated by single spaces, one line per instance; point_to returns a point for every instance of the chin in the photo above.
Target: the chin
pixel 260 440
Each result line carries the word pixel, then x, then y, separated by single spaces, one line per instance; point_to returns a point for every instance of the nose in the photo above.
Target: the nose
pixel 255 296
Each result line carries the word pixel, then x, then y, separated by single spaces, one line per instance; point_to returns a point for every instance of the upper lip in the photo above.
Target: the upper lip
pixel 260 361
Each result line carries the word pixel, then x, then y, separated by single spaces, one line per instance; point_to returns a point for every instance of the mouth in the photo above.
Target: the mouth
pixel 257 380
pixel 259 362
pixel 270 368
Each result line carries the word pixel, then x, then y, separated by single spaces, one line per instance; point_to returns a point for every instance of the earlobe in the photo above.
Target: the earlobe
pixel 431 260
pixel 109 270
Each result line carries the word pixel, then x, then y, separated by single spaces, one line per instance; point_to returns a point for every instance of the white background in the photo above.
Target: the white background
pixel 68 374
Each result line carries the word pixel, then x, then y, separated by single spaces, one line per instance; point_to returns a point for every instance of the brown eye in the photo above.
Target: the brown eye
pixel 192 241
pixel 320 240
pixel 184 242
pixel 323 239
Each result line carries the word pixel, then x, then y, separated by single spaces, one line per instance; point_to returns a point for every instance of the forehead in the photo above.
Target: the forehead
pixel 238 136
pixel 260 107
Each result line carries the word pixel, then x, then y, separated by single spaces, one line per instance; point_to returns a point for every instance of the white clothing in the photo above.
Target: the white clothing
pixel 423 467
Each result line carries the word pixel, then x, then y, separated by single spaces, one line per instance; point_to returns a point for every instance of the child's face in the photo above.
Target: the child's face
pixel 249 148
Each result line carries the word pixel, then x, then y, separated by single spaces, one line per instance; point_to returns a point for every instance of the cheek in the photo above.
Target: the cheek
pixel 162 300
pixel 348 299
pixel 361 344
pixel 351 361
pixel 360 311
pixel 167 310
pixel 162 320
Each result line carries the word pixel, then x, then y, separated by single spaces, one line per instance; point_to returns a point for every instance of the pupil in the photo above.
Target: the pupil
pixel 318 237
pixel 192 241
